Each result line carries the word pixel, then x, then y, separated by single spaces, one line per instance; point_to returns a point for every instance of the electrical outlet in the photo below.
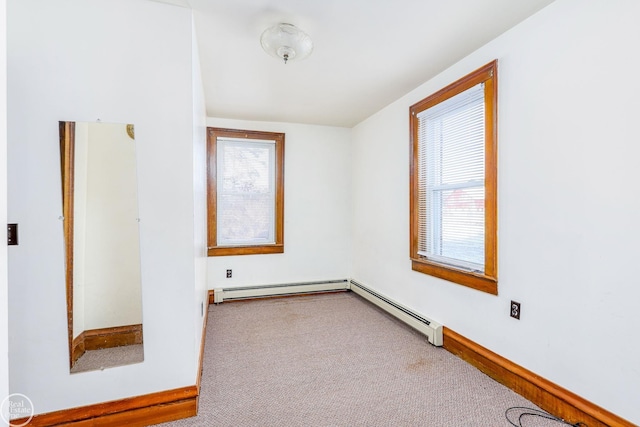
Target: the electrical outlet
pixel 12 234
pixel 228 274
pixel 515 310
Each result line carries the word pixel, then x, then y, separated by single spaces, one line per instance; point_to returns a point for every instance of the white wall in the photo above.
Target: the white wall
pixel 199 194
pixel 4 302
pixel 125 61
pixel 316 213
pixel 568 203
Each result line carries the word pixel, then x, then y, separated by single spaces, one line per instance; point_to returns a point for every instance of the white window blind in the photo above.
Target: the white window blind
pixel 451 144
pixel 245 191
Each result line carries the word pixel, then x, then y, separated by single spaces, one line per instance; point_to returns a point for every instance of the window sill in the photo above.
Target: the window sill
pixel 245 250
pixel 476 281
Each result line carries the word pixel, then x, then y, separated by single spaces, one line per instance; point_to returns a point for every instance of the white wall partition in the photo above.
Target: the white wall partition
pixel 4 301
pixel 122 61
pixel 316 213
pixel 568 206
pixel 200 303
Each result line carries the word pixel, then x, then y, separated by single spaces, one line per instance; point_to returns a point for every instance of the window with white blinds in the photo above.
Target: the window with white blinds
pixel 451 180
pixel 453 175
pixel 245 192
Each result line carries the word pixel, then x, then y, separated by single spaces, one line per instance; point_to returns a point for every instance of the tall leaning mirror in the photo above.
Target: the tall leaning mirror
pixel 100 215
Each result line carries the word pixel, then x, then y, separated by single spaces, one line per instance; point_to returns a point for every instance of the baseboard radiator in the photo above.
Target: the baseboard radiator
pixel 431 329
pixel 230 294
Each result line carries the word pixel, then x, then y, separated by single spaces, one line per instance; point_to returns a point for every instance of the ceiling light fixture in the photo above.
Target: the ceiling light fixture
pixel 287 42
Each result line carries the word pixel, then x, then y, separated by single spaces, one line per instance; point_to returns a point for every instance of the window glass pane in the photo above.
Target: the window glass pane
pixel 246 192
pixel 245 218
pixel 451 180
pixel 462 144
pixel 463 225
pixel 246 166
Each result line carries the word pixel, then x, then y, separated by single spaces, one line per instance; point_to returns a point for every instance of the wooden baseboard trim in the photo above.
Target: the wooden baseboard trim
pixel 97 339
pixel 139 411
pixel 136 411
pixel 77 348
pixel 545 394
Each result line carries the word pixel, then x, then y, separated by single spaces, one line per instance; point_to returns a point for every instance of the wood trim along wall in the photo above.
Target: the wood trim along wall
pixel 139 411
pixel 547 395
pixel 96 339
pixel 67 132
pixel 77 348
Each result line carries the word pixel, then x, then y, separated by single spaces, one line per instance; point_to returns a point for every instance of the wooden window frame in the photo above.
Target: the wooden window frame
pixel 272 248
pixel 488 280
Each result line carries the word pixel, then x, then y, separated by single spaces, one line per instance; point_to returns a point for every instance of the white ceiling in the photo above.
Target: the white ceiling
pixel 367 53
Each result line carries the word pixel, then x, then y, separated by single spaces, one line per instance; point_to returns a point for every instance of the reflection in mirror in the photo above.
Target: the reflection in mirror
pixel 100 203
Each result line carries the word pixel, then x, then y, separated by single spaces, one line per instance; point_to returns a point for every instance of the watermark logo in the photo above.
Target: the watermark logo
pixel 15 409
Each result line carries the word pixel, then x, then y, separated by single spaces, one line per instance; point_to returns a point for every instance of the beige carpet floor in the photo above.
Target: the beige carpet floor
pixel 337 360
pixel 93 360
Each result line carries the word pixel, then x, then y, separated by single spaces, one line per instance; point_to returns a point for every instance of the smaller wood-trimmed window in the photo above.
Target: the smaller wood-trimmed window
pixel 453 199
pixel 245 192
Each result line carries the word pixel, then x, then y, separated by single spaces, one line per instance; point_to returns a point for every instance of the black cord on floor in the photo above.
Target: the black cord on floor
pixel 531 412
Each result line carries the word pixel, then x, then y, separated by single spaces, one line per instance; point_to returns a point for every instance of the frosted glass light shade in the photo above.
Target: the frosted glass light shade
pixel 286 42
